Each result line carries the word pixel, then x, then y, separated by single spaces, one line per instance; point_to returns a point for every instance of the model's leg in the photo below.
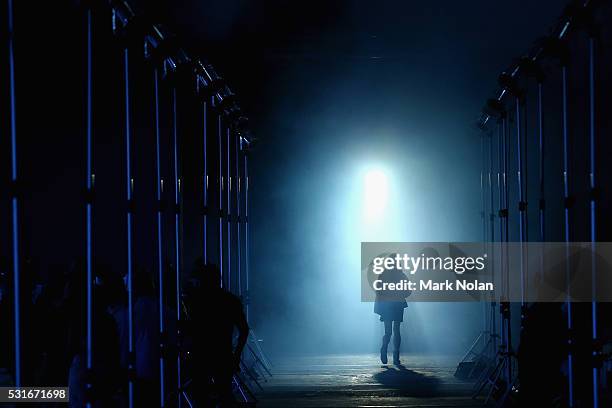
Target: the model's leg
pixel 385 341
pixel 397 340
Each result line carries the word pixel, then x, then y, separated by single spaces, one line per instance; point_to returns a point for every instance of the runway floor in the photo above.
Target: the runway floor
pixel 361 381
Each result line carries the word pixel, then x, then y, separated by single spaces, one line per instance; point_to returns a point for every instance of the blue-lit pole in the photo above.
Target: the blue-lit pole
pixel 566 216
pixel 89 185
pixel 501 179
pixel 177 237
pixel 506 313
pixel 483 211
pixel 246 233
pixel 482 190
pixel 593 214
pixel 205 183
pixel 14 200
pixel 221 181
pixel 229 210
pixel 522 204
pixel 542 206
pixel 492 325
pixel 238 220
pixel 160 238
pixel 129 191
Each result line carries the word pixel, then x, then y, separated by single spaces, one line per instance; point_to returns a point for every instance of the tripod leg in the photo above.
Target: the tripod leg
pixel 264 359
pixel 496 377
pixel 259 360
pixel 245 389
pixel 251 375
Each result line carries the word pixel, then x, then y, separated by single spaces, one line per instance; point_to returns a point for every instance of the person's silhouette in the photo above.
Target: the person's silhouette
pixel 389 305
pixel 215 314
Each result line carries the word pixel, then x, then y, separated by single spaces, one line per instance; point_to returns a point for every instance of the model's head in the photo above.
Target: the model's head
pixel 208 275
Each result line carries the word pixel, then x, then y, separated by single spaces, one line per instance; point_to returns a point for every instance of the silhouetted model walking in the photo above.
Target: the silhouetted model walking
pixel 390 304
pixel 215 314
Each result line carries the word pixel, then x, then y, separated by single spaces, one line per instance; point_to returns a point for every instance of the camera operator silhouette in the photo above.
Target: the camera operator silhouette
pixel 390 305
pixel 214 316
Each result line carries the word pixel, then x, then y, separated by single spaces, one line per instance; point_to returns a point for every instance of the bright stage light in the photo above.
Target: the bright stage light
pixel 376 194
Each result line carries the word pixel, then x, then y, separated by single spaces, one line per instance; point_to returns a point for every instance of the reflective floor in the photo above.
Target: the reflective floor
pixel 361 381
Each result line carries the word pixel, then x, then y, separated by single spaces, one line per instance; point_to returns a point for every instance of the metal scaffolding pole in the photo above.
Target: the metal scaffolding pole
pixel 204 183
pixel 483 213
pixel 14 199
pixel 542 202
pixel 500 180
pixel 238 143
pixel 177 239
pixel 593 219
pixel 505 305
pixel 542 205
pixel 229 208
pixel 246 234
pixel 522 205
pixel 493 310
pixel 88 209
pixel 130 208
pixel 566 215
pixel 160 239
pixel 221 181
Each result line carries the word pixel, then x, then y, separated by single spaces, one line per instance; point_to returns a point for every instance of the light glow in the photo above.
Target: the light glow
pixel 376 195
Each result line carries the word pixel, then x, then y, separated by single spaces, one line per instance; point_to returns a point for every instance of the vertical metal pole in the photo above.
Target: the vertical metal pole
pixel 491 195
pixel 221 181
pixel 521 197
pixel 229 210
pixel 482 189
pixel 205 182
pixel 500 174
pixel 88 209
pixel 541 162
pixel 541 205
pixel 246 232
pixel 593 212
pixel 238 220
pixel 160 253
pixel 129 191
pixel 506 305
pixel 14 200
pixel 566 195
pixel 177 238
pixel 483 211
pixel 492 324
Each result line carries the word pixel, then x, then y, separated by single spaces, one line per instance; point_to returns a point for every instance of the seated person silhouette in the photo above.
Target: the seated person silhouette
pixel 215 314
pixel 389 305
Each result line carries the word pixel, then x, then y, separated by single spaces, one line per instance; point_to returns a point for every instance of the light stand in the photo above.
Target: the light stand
pixel 247 298
pixel 14 199
pixel 88 210
pixel 479 358
pixel 497 379
pixel 124 27
pixel 228 218
pixel 597 348
pixel 237 146
pixel 568 203
pixel 253 345
pixel 177 237
pixel 204 182
pixel 160 246
pixel 129 214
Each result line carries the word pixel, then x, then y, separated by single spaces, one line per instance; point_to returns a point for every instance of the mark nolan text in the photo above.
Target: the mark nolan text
pixel 431 285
